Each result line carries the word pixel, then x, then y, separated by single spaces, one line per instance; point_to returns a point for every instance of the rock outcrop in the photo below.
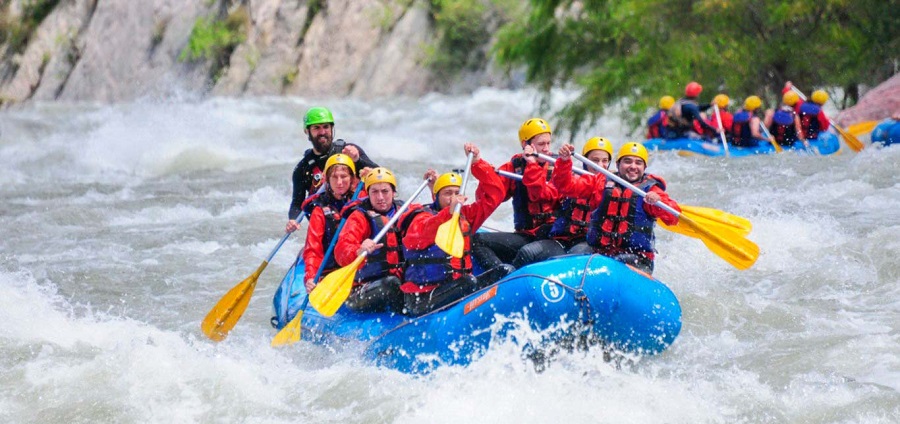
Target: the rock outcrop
pixel 109 51
pixel 878 103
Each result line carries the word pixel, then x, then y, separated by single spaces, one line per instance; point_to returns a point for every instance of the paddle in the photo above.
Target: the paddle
pixel 850 139
pixel 727 244
pixel 861 128
pixel 707 216
pixel 721 129
pixel 768 135
pixel 334 289
pixel 449 236
pixel 228 310
pixel 551 159
pixel 290 334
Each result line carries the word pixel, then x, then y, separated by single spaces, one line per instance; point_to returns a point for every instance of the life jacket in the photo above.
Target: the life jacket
pixel 656 125
pixel 620 224
pixel 676 121
pixel 389 258
pixel 809 119
pixel 331 208
pixel 741 134
pixel 317 174
pixel 528 215
pixel 782 127
pixel 432 266
pixel 572 219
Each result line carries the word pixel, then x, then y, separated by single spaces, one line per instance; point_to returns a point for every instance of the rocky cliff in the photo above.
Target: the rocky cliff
pixel 879 103
pixel 117 50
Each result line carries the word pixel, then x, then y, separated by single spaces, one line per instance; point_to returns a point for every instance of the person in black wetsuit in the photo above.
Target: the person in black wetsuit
pixel 308 175
pixel 684 116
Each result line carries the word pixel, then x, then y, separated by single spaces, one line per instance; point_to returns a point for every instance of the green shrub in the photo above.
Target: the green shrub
pixel 215 40
pixel 461 34
pixel 18 31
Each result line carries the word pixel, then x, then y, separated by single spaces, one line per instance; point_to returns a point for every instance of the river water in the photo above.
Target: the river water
pixel 122 225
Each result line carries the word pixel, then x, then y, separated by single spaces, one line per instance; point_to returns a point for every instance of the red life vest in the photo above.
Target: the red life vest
pixel 782 127
pixel 620 224
pixel 656 125
pixel 809 119
pixel 529 216
pixel 389 258
pixel 572 219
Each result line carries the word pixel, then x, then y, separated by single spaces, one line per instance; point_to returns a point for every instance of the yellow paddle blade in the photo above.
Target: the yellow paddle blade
pixel 449 237
pixel 222 318
pixel 330 294
pixel 862 128
pixel 850 139
pixel 290 334
pixel 775 144
pixel 686 153
pixel 686 230
pixel 738 223
pixel 728 245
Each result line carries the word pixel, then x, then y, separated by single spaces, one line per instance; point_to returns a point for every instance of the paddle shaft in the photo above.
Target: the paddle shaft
pixel 462 188
pixel 721 129
pixel 330 246
pixel 630 186
pixel 551 159
pixel 510 175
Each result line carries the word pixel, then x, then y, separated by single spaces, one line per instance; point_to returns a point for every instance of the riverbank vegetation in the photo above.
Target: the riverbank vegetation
pixel 638 50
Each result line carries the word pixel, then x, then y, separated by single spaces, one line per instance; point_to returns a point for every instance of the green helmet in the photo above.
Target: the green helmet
pixel 318 115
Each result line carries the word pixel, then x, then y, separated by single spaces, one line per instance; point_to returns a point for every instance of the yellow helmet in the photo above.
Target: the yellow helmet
pixel 597 143
pixel 819 97
pixel 721 101
pixel 790 98
pixel 380 175
pixel 666 102
pixel 752 103
pixel 340 159
pixel 450 179
pixel 533 127
pixel 632 148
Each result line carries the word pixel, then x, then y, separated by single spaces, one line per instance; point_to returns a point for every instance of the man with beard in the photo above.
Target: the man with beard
pixel 308 176
pixel 621 221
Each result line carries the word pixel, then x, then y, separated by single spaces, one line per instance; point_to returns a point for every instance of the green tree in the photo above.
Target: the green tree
pixel 638 50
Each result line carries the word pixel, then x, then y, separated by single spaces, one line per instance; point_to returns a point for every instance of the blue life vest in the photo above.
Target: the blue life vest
pixel 657 125
pixel 432 266
pixel 783 128
pixel 620 224
pixel 809 119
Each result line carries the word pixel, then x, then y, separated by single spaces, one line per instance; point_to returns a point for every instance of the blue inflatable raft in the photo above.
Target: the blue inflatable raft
pixel 565 297
pixel 887 132
pixel 826 144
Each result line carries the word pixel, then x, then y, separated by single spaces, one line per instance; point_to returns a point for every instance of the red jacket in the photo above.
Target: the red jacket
pixel 542 196
pixel 727 121
pixel 592 187
pixel 356 229
pixel 314 249
pixel 488 196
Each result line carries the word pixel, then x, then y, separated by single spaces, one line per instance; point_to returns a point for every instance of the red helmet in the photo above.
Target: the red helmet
pixel 693 89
